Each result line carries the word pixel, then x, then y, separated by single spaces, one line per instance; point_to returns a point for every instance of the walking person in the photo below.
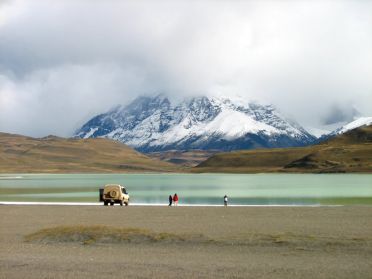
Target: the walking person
pixel 170 200
pixel 225 199
pixel 175 199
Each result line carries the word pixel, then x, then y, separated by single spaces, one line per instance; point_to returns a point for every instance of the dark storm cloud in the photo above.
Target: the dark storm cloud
pixel 64 61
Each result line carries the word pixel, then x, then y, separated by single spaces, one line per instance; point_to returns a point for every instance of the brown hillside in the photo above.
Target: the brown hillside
pixel 350 152
pixel 185 158
pixel 20 154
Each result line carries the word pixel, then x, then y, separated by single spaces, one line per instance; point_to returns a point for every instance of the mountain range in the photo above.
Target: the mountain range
pixel 151 124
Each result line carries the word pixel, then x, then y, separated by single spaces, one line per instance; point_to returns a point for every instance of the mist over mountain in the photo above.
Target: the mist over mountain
pixel 62 62
pixel 340 114
pixel 157 124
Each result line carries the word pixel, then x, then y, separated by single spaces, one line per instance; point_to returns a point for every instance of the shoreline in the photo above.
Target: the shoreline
pixel 4 175
pixel 166 205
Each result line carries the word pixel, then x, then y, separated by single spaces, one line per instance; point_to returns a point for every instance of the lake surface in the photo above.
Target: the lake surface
pixel 242 189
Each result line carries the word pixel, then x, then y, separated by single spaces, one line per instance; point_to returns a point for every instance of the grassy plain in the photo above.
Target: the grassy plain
pixel 185 242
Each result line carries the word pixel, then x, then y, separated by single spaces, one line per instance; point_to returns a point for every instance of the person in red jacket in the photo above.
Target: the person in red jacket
pixel 175 199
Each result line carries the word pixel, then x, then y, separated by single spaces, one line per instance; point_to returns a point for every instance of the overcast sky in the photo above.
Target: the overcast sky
pixel 62 62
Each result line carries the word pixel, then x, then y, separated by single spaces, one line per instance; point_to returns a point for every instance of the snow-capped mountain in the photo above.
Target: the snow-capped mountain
pixel 362 121
pixel 155 124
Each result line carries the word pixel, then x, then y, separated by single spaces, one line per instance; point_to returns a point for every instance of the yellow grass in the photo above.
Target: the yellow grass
pixel 351 152
pixel 105 234
pixel 19 154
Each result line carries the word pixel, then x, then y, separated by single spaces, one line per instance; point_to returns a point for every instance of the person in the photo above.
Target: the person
pixel 175 199
pixel 225 199
pixel 170 200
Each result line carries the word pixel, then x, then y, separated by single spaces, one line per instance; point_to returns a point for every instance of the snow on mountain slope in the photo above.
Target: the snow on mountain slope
pixel 153 123
pixel 362 121
pixel 233 124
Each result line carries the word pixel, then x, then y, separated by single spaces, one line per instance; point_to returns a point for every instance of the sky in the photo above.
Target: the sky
pixel 62 62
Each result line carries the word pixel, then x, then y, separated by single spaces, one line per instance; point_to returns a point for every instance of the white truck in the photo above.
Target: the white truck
pixel 113 193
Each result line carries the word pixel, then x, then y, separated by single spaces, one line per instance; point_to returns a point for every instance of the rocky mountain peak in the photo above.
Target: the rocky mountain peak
pixel 154 123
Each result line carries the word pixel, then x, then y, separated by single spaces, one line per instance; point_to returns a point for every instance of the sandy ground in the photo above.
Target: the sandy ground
pixel 243 242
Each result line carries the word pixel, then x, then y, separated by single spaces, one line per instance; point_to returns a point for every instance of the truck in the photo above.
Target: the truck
pixel 114 193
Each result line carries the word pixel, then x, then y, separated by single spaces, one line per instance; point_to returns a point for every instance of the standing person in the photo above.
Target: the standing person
pixel 170 200
pixel 225 199
pixel 175 199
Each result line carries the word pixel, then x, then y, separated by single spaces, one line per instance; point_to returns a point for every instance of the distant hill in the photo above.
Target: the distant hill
pixel 20 154
pixel 348 152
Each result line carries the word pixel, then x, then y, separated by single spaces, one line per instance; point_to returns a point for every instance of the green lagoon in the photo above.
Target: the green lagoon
pixel 208 189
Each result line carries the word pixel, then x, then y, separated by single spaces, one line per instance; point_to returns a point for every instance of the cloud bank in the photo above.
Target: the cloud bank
pixel 63 62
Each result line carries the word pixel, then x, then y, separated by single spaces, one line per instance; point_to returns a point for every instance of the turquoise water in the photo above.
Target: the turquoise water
pixel 245 189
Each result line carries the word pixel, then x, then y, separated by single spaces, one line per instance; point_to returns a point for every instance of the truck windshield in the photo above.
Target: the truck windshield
pixel 123 190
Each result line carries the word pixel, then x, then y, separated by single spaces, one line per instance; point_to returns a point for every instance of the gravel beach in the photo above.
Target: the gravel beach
pixel 185 242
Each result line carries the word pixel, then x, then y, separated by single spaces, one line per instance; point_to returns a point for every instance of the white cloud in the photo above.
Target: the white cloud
pixel 56 100
pixel 82 57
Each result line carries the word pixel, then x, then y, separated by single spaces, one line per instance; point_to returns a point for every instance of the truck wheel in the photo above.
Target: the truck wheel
pixel 112 203
pixel 105 203
pixel 121 203
pixel 126 203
